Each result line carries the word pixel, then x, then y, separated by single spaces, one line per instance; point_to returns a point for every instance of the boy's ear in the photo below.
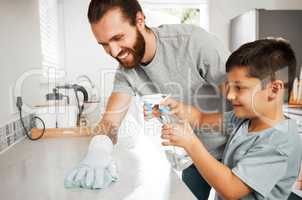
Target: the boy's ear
pixel 274 88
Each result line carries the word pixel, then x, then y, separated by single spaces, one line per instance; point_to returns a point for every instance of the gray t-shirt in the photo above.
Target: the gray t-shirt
pixel 267 161
pixel 187 64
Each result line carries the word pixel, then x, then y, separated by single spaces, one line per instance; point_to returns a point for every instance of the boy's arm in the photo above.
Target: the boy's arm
pixel 226 184
pixel 218 175
pixel 196 118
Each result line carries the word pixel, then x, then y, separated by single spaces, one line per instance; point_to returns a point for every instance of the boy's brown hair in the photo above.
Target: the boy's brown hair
pixel 264 59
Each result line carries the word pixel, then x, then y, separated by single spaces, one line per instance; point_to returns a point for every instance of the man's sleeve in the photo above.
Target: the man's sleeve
pixel 210 55
pixel 121 84
pixel 261 168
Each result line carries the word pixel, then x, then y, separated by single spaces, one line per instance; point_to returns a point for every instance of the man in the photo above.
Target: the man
pixel 181 60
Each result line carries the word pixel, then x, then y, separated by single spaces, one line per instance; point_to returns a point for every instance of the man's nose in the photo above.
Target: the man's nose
pixel 114 50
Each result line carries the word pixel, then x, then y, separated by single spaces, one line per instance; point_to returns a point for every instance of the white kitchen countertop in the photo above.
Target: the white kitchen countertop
pixel 36 170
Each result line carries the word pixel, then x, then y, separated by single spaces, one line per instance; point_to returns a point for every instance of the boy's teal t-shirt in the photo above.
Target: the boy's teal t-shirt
pixel 268 161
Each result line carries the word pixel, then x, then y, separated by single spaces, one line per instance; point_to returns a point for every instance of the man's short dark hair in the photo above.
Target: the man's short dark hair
pixel 264 59
pixel 98 8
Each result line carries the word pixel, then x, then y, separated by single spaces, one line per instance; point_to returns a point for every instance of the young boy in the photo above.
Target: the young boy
pixel 263 154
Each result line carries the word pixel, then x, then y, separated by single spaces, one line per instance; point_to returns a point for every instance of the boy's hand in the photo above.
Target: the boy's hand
pixel 179 109
pixel 180 134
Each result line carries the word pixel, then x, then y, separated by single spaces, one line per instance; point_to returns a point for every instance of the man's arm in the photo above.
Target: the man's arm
pixel 116 109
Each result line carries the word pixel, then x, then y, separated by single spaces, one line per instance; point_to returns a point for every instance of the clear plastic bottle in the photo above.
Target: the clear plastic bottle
pixel 177 156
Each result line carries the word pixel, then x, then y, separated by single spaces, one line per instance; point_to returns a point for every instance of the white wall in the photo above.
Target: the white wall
pixel 222 11
pixel 19 51
pixel 84 56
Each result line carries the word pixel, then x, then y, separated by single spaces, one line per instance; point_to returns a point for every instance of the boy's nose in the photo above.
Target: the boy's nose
pixel 231 95
pixel 114 50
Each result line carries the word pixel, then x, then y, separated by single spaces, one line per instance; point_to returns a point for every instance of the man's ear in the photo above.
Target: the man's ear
pixel 140 20
pixel 274 89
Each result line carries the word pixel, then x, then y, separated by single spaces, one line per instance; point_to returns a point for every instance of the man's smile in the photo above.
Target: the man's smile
pixel 123 55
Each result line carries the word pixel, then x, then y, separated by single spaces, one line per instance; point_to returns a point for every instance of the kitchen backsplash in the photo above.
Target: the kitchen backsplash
pixel 13 132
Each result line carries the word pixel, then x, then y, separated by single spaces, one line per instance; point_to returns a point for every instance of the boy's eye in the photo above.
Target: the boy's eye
pixel 239 87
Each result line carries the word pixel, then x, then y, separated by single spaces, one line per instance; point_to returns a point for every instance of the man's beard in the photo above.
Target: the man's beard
pixel 137 52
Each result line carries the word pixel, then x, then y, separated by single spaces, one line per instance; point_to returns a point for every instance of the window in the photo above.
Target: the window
pixel 49 34
pixel 176 12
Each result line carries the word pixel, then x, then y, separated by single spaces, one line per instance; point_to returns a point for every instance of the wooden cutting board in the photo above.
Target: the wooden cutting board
pixel 62 132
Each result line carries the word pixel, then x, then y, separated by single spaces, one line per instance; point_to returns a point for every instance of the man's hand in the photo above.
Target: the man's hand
pixel 97 170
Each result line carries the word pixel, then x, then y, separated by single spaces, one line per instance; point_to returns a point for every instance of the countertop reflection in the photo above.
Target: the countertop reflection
pixel 36 170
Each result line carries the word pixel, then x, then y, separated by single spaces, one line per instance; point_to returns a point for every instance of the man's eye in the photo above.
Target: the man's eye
pixel 118 38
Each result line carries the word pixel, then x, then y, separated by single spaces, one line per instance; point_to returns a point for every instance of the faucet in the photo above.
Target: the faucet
pixel 87 78
pixel 77 88
pixel 55 95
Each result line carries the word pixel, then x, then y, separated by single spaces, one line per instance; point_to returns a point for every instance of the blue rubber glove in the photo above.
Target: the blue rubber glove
pixel 97 170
